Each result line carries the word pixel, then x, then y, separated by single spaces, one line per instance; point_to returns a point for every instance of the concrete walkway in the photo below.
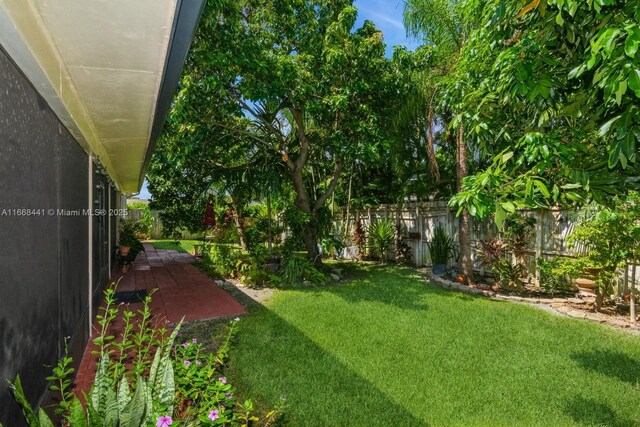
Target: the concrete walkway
pixel 180 290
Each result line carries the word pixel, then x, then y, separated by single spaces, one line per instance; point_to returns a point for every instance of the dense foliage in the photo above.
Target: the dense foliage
pixel 552 98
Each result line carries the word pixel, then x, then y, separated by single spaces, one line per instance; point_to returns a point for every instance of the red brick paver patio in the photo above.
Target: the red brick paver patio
pixel 180 290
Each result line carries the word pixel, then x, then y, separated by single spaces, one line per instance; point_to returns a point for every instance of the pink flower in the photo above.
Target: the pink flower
pixel 185 345
pixel 228 395
pixel 213 415
pixel 164 421
pixel 187 363
pixel 198 362
pixel 223 380
pixel 195 340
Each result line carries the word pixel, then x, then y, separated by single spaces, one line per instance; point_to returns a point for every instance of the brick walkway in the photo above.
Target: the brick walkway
pixel 181 290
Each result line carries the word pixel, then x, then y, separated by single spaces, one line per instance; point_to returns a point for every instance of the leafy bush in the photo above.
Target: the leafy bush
pixel 252 272
pixel 224 259
pixel 490 251
pixel 129 230
pixel 298 268
pixel 509 275
pixel 517 233
pixel 440 247
pixel 332 246
pixel 146 218
pixel 607 240
pixel 381 237
pixel 553 275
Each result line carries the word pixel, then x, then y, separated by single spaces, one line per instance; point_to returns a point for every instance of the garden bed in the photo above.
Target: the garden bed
pixel 580 306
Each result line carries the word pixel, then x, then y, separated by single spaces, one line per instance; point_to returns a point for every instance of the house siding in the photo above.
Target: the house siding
pixel 44 266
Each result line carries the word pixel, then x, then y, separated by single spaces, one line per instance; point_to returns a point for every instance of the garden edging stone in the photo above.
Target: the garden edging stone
pixel 554 305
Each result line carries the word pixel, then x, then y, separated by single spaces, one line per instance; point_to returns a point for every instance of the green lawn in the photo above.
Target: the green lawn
pixel 386 349
pixel 182 245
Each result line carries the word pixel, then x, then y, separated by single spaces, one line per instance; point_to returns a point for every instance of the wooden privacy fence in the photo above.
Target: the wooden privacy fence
pixel 422 218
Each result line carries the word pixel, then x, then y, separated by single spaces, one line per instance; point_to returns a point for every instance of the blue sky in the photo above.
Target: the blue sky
pixel 387 15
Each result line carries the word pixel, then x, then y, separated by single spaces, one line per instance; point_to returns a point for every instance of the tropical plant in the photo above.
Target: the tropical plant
pixel 128 230
pixel 403 250
pixel 297 269
pixel 489 251
pixel 509 275
pixel 110 400
pixel 332 246
pixel 145 221
pixel 517 233
pixel 158 384
pixel 440 247
pixel 554 276
pixel 606 241
pixel 381 237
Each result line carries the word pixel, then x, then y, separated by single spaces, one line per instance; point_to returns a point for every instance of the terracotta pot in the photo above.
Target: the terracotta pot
pixel 586 285
pixel 124 250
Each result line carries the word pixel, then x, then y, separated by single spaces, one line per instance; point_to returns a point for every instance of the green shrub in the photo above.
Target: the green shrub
pixel 381 237
pixel 554 274
pixel 331 246
pixel 224 259
pixel 403 250
pixel 298 268
pixel 129 230
pixel 146 218
pixel 441 247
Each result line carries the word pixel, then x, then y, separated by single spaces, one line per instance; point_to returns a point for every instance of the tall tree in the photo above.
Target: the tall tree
pixel 296 79
pixel 445 26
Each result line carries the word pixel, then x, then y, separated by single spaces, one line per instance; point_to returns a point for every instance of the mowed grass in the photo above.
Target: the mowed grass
pixel 386 349
pixel 184 246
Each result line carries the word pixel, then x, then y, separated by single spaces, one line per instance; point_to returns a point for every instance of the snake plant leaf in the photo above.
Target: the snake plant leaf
pixel 44 419
pixel 27 411
pixel 77 415
pixel 134 412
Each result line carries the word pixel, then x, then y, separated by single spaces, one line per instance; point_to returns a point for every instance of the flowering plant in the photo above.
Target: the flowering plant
pixel 201 389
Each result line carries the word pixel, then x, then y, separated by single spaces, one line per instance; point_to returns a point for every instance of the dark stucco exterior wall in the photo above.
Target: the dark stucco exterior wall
pixel 44 268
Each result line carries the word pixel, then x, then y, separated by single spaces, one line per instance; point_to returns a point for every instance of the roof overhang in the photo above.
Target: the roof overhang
pixel 108 68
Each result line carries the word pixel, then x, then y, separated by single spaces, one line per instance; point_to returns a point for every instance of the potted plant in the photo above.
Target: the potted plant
pixel 606 240
pixel 129 244
pixel 440 249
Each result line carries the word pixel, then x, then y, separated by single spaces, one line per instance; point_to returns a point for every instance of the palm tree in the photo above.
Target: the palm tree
pixel 444 25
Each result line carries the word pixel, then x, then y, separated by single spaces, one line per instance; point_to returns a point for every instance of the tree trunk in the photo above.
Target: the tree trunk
pixel 309 228
pixel 464 232
pixel 239 221
pixel 269 230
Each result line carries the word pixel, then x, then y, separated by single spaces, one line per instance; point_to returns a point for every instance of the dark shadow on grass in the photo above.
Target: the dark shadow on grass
pixel 590 412
pixel 274 360
pixel 609 363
